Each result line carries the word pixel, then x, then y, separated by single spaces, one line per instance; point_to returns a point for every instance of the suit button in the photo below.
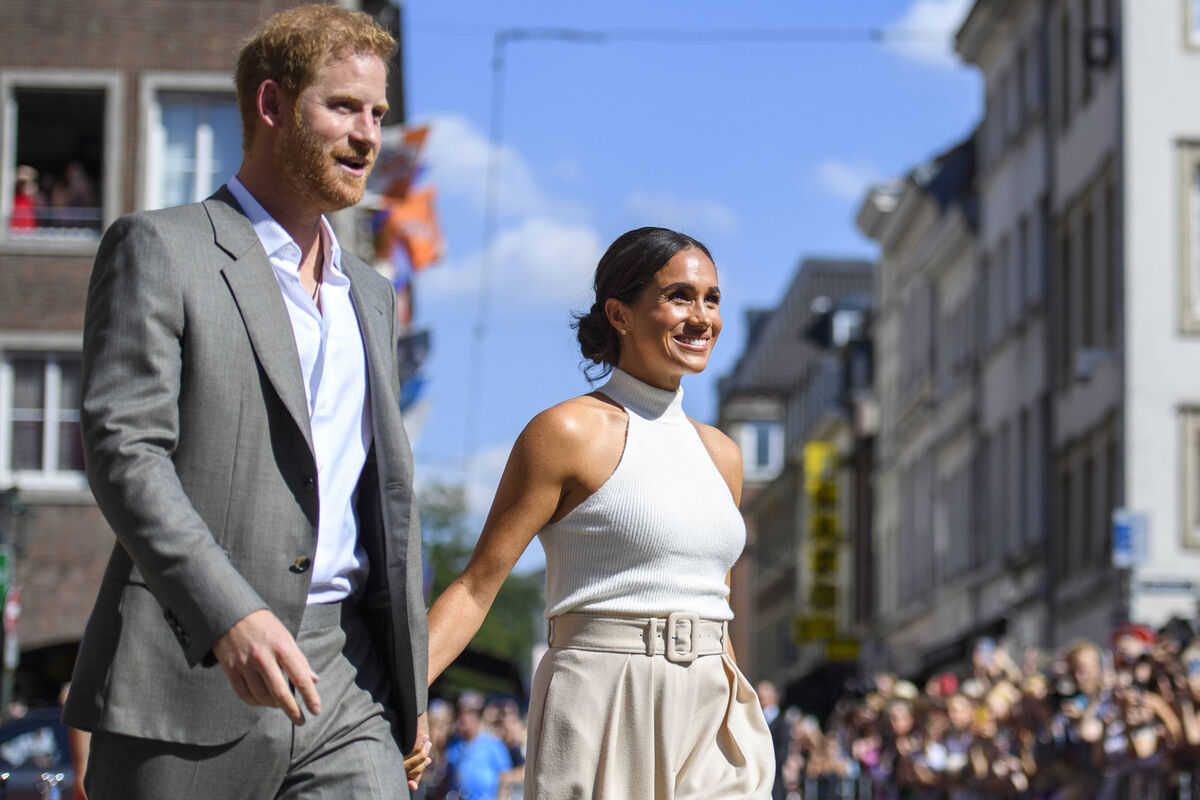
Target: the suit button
pixel 301 565
pixel 309 484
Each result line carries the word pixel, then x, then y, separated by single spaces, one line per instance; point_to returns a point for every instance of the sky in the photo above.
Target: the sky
pixel 763 148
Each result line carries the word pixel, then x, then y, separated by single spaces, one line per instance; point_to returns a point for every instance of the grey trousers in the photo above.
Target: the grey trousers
pixel 346 751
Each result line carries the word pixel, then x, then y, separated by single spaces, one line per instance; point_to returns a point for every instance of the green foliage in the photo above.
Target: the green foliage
pixel 510 629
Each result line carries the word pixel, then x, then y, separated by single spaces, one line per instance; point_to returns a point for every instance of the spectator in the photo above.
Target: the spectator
pixel 25 201
pixel 768 699
pixel 475 759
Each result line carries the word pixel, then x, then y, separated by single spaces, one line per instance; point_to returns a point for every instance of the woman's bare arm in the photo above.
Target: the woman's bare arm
pixel 558 460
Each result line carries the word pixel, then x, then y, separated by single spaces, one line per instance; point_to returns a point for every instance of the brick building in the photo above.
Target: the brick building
pixel 106 107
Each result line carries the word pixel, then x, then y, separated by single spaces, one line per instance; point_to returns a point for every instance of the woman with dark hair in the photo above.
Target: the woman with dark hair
pixel 636 506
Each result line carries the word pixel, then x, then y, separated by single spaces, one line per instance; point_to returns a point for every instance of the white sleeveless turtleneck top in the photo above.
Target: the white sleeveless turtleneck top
pixel 660 534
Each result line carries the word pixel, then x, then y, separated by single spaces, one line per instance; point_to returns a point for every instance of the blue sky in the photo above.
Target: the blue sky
pixel 763 150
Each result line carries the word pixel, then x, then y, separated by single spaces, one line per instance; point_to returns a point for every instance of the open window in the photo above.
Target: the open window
pixel 60 145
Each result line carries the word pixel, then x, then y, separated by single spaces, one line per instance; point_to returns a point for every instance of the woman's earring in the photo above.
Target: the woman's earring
pixel 624 331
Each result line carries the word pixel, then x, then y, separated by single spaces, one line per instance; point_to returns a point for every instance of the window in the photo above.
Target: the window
pixel 1190 266
pixel 1087 284
pixel 1087 500
pixel 40 443
pixel 1002 490
pixel 761 442
pixel 1033 73
pixel 1007 122
pixel 996 292
pixel 1086 68
pixel 1065 549
pixel 1023 265
pixel 192 134
pixel 1024 510
pixel 62 139
pixel 1064 77
pixel 1022 98
pixel 1191 478
pixel 1192 23
pixel 1111 264
pixel 1066 347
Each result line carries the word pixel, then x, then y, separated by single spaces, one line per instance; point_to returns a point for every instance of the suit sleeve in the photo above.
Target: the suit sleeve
pixel 134 324
pixel 418 625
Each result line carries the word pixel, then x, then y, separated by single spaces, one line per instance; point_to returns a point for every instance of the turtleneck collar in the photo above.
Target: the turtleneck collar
pixel 643 399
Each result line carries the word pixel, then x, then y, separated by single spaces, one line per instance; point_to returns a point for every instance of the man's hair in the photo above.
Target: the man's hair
pixel 290 48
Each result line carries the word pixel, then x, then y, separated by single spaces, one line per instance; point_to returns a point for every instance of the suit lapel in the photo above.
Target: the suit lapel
pixel 375 324
pixel 371 319
pixel 260 301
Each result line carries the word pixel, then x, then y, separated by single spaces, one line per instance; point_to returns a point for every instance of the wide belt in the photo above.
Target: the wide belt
pixel 680 636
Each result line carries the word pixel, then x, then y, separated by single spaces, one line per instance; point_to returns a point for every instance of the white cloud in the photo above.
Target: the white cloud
pixel 925 34
pixel 457 155
pixel 699 217
pixel 484 468
pixel 550 260
pixel 847 180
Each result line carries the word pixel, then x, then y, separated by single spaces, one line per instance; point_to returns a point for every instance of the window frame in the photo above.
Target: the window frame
pixel 1191 24
pixel 48 345
pixel 1189 494
pixel 748 439
pixel 151 85
pixel 1188 280
pixel 111 82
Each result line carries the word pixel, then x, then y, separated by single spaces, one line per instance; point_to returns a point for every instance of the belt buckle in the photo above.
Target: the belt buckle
pixel 676 632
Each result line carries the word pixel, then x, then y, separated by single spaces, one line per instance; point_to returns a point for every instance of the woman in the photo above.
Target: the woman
pixel 636 507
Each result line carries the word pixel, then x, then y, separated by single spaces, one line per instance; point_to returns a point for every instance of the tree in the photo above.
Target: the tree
pixel 510 629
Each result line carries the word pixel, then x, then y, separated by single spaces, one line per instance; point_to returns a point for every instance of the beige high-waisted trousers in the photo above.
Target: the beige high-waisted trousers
pixel 644 709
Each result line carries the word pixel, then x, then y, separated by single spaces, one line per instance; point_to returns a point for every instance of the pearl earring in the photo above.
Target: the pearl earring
pixel 624 331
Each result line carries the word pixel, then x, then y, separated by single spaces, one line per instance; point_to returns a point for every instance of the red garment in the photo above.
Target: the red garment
pixel 24 214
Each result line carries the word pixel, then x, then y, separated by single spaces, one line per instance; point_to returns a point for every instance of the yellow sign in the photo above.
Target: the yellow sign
pixel 819 622
pixel 841 650
pixel 812 629
pixel 819 466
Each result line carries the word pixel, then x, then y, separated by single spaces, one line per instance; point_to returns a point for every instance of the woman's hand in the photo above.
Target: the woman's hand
pixel 416 761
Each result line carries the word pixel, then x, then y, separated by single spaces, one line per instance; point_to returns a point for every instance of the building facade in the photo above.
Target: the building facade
pixel 784 391
pixel 1062 495
pixel 926 387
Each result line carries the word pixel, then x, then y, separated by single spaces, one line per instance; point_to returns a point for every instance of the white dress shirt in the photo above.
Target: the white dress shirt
pixel 334 368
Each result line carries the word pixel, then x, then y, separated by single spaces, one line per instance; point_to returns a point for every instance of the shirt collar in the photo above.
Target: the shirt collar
pixel 273 236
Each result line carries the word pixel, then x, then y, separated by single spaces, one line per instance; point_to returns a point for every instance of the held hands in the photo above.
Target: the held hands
pixel 260 657
pixel 416 761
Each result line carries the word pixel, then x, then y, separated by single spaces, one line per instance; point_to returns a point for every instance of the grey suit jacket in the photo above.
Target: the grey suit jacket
pixel 199 454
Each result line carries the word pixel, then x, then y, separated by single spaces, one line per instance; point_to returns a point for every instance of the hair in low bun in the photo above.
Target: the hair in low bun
pixel 622 273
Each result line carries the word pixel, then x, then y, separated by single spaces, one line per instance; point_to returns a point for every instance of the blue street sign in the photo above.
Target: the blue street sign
pixel 1130 537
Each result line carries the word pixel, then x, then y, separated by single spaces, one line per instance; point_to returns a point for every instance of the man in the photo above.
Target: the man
pixel 475 759
pixel 260 629
pixel 768 699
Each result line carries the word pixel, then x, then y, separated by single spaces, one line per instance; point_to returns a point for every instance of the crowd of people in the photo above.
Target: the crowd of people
pixel 47 200
pixel 1086 722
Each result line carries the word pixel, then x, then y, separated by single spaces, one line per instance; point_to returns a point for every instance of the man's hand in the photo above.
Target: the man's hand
pixel 416 761
pixel 260 657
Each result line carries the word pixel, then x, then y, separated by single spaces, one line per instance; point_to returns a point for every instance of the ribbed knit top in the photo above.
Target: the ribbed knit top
pixel 660 534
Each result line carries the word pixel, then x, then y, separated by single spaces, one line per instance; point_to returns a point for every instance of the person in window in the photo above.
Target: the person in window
pixel 636 506
pixel 26 203
pixel 74 197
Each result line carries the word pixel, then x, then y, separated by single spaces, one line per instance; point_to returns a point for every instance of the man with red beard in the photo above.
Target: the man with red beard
pixel 260 629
